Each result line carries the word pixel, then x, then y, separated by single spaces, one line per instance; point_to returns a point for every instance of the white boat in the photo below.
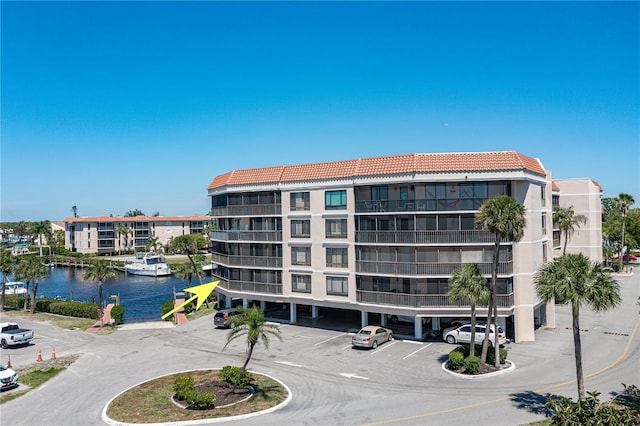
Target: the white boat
pixel 150 264
pixel 15 288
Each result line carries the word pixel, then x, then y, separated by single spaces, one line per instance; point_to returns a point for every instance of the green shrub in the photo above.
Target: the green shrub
pixel 117 313
pixel 232 374
pixel 184 389
pixel 456 358
pixel 75 309
pixel 471 365
pixel 589 411
pixel 167 307
pixel 491 357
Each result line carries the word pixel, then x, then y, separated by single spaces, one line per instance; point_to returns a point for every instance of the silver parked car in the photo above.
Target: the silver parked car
pixel 462 334
pixel 371 336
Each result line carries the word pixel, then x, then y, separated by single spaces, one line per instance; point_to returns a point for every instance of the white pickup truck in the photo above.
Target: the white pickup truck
pixel 11 334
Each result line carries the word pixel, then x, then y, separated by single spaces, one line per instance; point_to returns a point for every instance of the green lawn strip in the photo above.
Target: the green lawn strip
pixel 150 402
pixel 34 375
pixel 69 323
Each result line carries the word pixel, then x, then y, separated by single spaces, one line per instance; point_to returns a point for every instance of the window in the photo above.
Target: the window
pixel 336 228
pixel 335 200
pixel 301 283
pixel 337 286
pixel 544 223
pixel 404 193
pixel 300 228
pixel 543 200
pixel 300 201
pixel 301 256
pixel 337 257
pixel 379 193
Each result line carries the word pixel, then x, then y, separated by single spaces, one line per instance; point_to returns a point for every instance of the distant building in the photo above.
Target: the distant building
pixel 103 234
pixel 380 237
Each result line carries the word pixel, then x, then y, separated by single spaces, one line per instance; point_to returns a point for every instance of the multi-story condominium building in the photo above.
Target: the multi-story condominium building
pixel 381 237
pixel 583 195
pixel 108 234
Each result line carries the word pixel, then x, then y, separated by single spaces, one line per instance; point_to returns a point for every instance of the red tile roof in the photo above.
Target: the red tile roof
pixel 136 219
pixel 399 164
pixel 597 185
pixel 554 186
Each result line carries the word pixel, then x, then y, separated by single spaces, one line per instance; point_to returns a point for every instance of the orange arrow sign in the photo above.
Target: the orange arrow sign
pixel 201 293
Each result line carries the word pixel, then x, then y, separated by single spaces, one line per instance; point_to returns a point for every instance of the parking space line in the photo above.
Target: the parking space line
pixel 384 347
pixel 288 363
pixel 415 352
pixel 329 339
pixel 346 347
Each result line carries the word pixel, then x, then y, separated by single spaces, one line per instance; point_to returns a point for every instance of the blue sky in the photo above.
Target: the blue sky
pixel 117 106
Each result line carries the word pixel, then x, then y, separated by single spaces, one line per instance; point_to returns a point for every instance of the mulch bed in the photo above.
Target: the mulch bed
pixel 225 395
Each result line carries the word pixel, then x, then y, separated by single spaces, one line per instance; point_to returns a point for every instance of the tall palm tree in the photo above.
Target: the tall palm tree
pixel 252 324
pixel 120 231
pixel 568 221
pixel 31 269
pixel 6 267
pixel 153 244
pixel 183 271
pixel 467 284
pixel 99 271
pixel 623 202
pixel 38 229
pixel 504 217
pixel 574 279
pixel 190 245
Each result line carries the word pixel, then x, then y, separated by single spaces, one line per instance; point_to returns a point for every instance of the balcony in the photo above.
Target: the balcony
pixel 250 286
pixel 376 206
pixel 235 235
pixel 249 261
pixel 425 268
pixel 425 237
pixel 248 210
pixel 423 300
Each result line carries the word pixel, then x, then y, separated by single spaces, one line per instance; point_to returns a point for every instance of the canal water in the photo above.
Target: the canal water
pixel 142 297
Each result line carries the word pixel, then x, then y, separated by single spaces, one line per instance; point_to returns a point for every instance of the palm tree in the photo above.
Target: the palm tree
pixel 38 229
pixel 100 271
pixel 574 279
pixel 467 284
pixel 623 202
pixel 183 271
pixel 153 244
pixel 120 231
pixel 190 245
pixel 568 221
pixel 503 216
pixel 252 324
pixel 31 269
pixel 6 267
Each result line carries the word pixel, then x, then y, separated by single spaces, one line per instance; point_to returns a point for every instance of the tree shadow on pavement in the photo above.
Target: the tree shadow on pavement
pixel 532 402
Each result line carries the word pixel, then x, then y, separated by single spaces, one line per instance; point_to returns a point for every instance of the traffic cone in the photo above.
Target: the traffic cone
pixel 53 353
pixel 39 356
pixel 9 362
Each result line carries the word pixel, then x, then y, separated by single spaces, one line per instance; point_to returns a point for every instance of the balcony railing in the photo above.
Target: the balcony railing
pixel 235 235
pixel 428 268
pixel 425 237
pixel 373 206
pixel 247 210
pixel 251 261
pixel 251 286
pixel 422 300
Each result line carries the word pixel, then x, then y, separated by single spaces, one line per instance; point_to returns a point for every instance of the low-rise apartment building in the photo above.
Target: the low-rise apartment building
pixel 109 234
pixel 381 236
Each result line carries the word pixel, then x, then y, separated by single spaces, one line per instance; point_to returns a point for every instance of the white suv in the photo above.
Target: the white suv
pixel 462 334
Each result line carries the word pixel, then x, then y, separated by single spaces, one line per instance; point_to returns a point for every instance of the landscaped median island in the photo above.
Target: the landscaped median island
pixel 155 401
pixel 461 363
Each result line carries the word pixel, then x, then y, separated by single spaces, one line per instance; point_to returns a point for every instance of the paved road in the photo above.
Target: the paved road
pixel 399 383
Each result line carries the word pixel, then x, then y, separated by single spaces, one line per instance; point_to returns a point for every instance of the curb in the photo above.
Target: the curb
pixel 509 369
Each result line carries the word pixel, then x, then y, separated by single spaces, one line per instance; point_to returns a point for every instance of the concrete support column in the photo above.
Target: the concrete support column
pixel 292 313
pixel 418 328
pixel 364 318
pixel 314 311
pixel 228 302
pixel 435 323
pixel 383 320
pixel 263 305
pixel 245 303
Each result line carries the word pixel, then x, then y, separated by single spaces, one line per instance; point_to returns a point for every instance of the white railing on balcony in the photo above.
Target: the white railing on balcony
pixel 235 235
pixel 251 261
pixel 251 286
pixel 425 237
pixel 429 268
pixel 422 300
